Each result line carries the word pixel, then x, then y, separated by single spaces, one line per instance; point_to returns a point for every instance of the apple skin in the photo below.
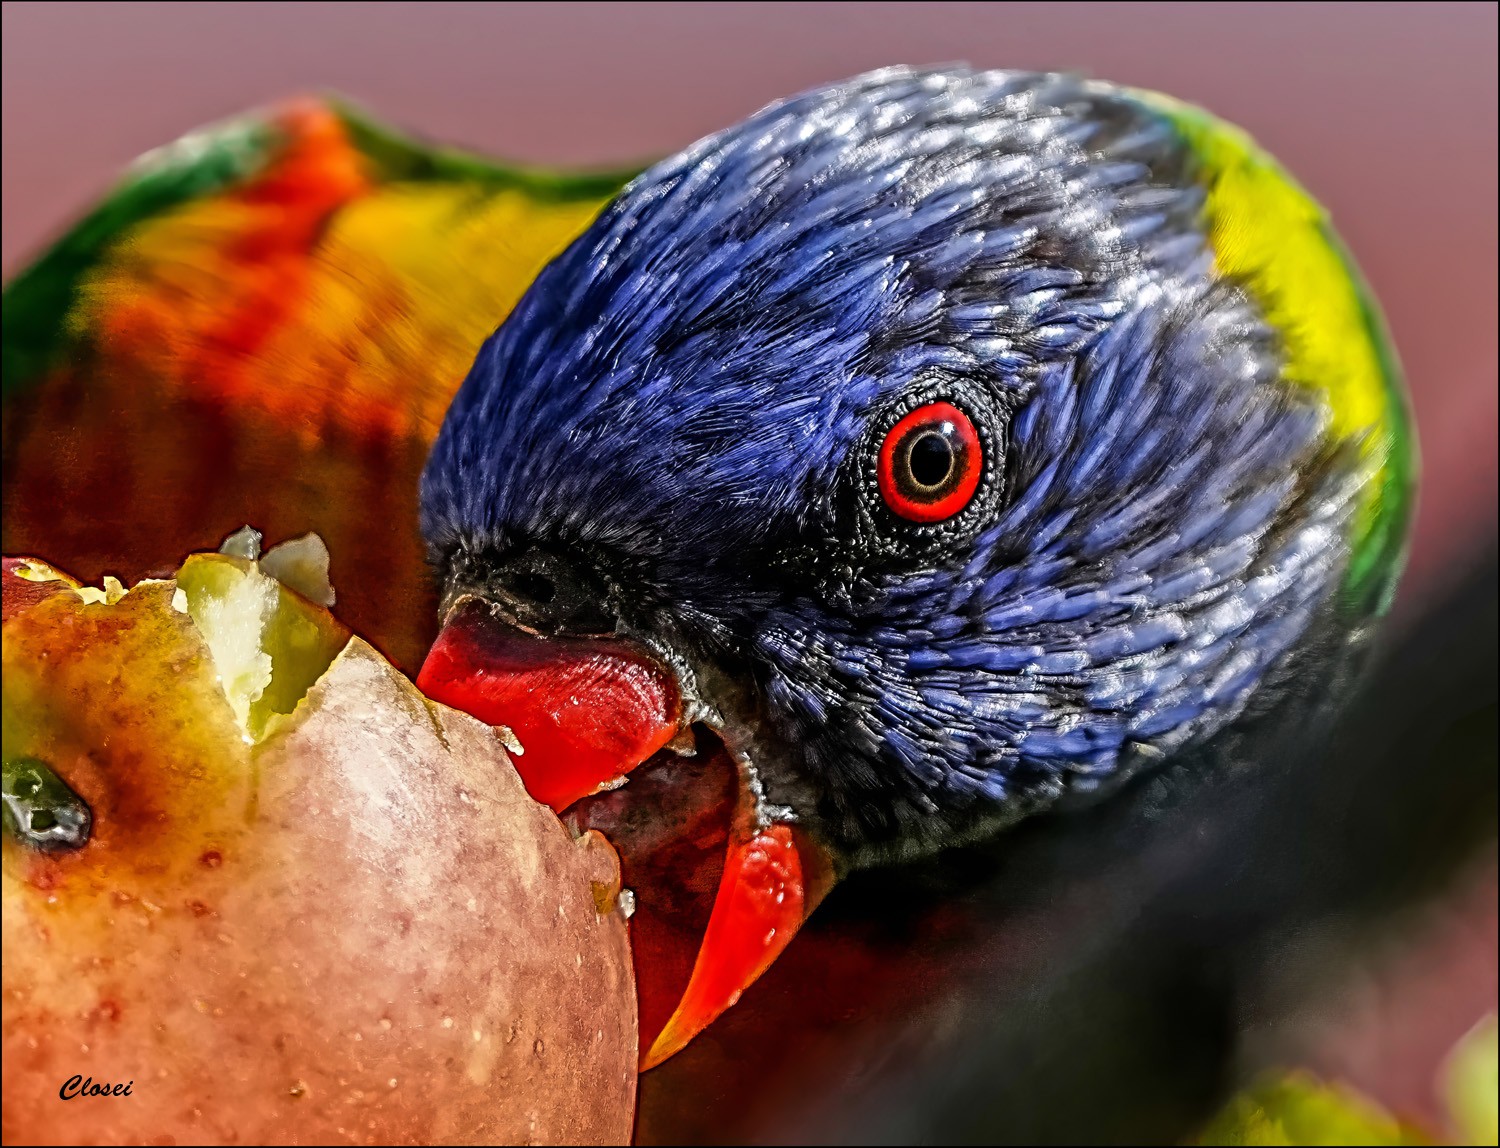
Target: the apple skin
pixel 27 582
pixel 359 930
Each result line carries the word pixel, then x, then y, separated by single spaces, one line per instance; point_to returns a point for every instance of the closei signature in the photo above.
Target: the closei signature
pixel 85 1086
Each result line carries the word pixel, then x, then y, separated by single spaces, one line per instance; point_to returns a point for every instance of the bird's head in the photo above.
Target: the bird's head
pixel 935 445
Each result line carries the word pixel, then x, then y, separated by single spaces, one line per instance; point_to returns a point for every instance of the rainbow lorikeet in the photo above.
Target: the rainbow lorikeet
pixel 928 452
pixel 940 446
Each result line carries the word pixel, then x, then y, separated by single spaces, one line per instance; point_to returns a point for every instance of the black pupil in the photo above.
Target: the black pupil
pixel 931 459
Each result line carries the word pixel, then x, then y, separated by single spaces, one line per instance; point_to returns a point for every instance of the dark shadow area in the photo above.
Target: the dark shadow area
pixel 1090 978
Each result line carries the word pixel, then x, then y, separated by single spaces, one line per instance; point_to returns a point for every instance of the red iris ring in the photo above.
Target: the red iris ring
pixel 930 463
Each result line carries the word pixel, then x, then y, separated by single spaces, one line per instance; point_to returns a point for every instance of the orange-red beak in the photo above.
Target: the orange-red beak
pixel 588 711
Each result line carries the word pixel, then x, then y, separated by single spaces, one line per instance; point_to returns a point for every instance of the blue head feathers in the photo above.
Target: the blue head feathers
pixel 689 402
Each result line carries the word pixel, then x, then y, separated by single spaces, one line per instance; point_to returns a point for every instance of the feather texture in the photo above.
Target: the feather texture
pixel 1195 441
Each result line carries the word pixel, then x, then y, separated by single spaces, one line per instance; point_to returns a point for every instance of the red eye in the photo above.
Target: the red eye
pixel 930 463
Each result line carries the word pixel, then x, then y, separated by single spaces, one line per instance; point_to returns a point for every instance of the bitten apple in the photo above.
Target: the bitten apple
pixel 303 905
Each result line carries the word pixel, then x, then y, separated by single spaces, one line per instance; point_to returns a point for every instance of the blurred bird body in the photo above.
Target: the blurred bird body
pixel 267 310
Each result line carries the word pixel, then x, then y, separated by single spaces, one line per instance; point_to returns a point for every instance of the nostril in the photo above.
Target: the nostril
pixel 548 593
pixel 531 586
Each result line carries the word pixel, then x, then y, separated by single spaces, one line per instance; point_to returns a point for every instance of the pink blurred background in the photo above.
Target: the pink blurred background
pixel 1386 112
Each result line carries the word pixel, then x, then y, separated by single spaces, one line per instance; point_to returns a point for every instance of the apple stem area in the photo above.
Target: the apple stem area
pixel 39 808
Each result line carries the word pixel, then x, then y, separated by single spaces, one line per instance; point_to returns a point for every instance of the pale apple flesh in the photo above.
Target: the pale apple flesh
pixel 312 907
